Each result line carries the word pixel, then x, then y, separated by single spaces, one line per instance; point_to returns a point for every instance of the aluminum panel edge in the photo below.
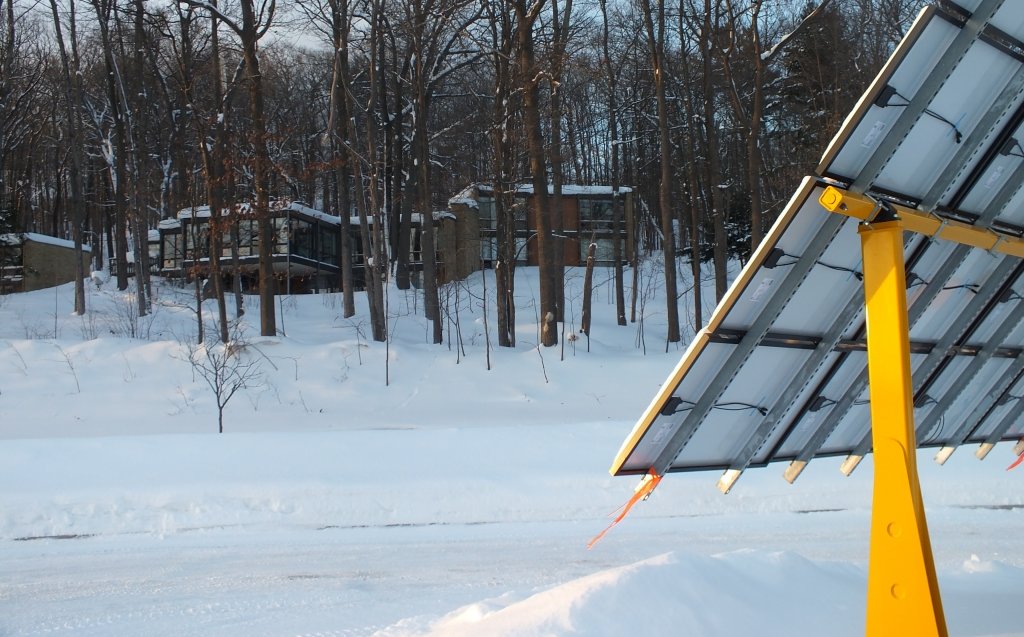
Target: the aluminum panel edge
pixel 703 337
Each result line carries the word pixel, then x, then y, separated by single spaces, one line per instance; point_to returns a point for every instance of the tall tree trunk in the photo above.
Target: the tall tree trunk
pixel 374 249
pixel 261 167
pixel 341 112
pixel 695 264
pixel 73 98
pixel 693 191
pixel 588 292
pixel 749 117
pixel 118 172
pixel 214 157
pixel 394 145
pixel 613 133
pixel 213 137
pixel 144 290
pixel 504 215
pixel 714 162
pixel 421 154
pixel 214 160
pixel 754 163
pixel 526 16
pixel 559 39
pixel 344 179
pixel 656 42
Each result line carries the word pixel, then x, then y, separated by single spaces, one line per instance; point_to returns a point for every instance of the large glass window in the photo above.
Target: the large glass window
pixel 488 215
pixel 520 211
pixel 248 242
pixel 282 234
pixel 595 216
pixel 302 239
pixel 172 250
pixel 596 226
pixel 488 248
pixel 486 211
pixel 196 238
pixel 356 242
pixel 329 236
pixel 521 218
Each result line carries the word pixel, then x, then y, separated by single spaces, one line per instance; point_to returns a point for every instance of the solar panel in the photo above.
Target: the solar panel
pixel 780 371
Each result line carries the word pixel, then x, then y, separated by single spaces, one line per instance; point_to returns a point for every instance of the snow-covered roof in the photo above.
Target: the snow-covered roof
pixel 467 196
pixel 196 212
pixel 298 206
pixel 201 212
pixel 465 201
pixel 572 190
pixel 437 214
pixel 16 238
pixel 168 224
pixel 470 195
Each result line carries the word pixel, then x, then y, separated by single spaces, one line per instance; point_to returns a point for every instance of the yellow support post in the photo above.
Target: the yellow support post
pixel 903 592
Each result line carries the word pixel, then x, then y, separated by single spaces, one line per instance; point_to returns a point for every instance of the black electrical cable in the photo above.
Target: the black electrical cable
pixel 779 263
pixel 956 131
pixel 738 406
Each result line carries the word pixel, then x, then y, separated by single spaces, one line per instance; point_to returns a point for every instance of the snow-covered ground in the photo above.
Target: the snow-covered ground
pixel 406 489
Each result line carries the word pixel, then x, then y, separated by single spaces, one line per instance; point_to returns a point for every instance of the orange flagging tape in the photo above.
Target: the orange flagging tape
pixel 643 491
pixel 1016 462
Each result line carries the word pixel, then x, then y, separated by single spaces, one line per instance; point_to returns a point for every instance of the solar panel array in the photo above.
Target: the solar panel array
pixel 780 371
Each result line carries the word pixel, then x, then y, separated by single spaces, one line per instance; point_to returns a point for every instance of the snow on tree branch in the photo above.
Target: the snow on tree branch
pixel 784 40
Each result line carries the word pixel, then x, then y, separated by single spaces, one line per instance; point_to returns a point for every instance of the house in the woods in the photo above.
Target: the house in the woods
pixel 306 253
pixel 30 261
pixel 306 250
pixel 587 216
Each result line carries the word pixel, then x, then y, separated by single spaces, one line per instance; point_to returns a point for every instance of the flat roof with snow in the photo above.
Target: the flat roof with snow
pixel 17 238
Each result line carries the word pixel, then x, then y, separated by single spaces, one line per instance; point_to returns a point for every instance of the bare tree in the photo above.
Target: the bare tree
pixel 226 368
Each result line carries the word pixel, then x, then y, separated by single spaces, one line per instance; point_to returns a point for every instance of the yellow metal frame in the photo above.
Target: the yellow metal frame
pixel 903 592
pixel 926 223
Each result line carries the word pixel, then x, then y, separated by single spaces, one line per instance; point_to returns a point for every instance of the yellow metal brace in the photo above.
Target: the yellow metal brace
pixel 903 592
pixel 930 225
